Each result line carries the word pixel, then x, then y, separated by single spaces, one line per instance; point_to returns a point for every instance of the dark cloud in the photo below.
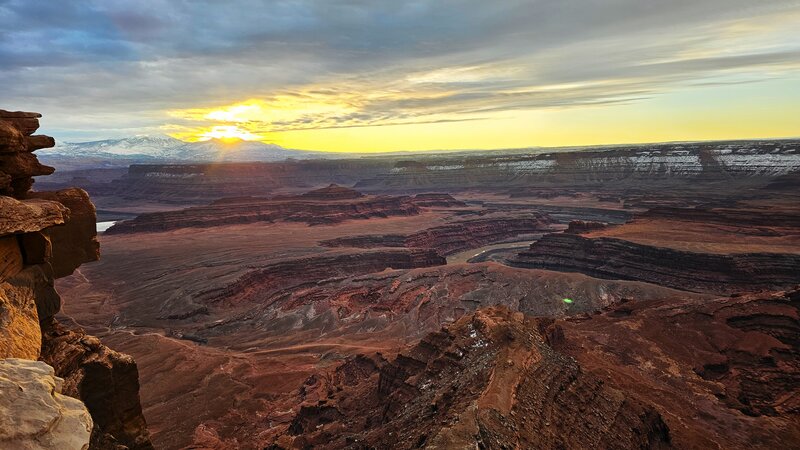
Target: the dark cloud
pixel 118 59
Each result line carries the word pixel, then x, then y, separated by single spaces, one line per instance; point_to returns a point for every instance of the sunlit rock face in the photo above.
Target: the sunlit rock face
pixel 44 236
pixel 33 413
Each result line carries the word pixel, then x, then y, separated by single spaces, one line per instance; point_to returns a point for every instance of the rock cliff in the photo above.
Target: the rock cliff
pixel 698 272
pixel 490 380
pixel 584 226
pixel 33 412
pixel 662 373
pixel 739 217
pixel 623 165
pixel 44 236
pixel 329 205
pixel 262 284
pixel 454 237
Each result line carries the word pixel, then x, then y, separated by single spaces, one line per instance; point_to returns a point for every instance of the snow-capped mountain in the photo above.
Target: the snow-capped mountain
pixel 165 148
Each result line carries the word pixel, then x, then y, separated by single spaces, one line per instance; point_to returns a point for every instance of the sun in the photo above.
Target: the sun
pixel 228 133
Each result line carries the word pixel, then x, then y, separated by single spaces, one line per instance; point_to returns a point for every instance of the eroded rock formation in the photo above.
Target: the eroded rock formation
pixel 490 380
pixel 33 412
pixel 261 284
pixel 699 272
pixel 739 217
pixel 454 237
pixel 329 205
pixel 584 226
pixel 723 373
pixel 668 373
pixel 44 236
pixel 106 381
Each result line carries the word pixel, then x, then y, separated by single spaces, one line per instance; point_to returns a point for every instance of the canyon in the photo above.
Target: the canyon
pixel 620 297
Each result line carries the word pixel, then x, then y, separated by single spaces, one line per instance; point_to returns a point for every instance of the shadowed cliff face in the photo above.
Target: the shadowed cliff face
pixel 698 272
pixel 44 236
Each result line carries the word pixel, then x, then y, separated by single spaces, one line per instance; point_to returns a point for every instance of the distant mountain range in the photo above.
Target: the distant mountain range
pixel 143 149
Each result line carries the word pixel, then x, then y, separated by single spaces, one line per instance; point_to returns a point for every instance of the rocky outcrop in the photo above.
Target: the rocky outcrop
pixel 28 216
pixel 724 372
pixel 326 206
pixel 20 336
pixel 33 412
pixel 17 164
pixel 584 226
pixel 490 380
pixel 661 373
pixel 333 192
pixel 433 200
pixel 75 242
pixel 454 237
pixel 698 272
pixel 44 236
pixel 106 381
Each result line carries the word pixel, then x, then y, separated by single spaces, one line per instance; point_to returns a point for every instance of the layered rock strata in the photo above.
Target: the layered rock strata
pixel 490 380
pixel 584 226
pixel 454 237
pixel 44 236
pixel 261 284
pixel 667 373
pixel 698 272
pixel 742 218
pixel 723 373
pixel 329 205
pixel 623 165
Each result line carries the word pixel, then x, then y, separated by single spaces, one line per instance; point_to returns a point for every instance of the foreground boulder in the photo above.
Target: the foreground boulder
pixel 34 414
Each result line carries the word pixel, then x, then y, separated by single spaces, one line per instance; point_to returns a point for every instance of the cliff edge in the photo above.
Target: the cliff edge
pixel 45 236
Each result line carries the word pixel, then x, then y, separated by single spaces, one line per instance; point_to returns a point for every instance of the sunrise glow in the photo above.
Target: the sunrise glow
pixel 225 133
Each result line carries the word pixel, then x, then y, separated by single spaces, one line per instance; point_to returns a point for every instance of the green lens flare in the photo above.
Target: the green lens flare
pixel 567 300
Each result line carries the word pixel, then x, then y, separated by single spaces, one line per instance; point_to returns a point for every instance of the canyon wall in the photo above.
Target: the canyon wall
pixel 44 236
pixel 329 205
pixel 490 380
pixel 698 272
pixel 618 172
pixel 699 161
pixel 454 237
pixel 668 373
pixel 261 284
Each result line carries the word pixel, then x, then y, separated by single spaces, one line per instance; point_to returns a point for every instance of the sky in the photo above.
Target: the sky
pixel 375 75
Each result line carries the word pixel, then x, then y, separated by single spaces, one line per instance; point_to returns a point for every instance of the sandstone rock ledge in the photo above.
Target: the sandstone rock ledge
pixel 34 414
pixel 45 236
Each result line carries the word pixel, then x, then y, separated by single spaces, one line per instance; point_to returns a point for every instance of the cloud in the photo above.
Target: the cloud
pixel 114 66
